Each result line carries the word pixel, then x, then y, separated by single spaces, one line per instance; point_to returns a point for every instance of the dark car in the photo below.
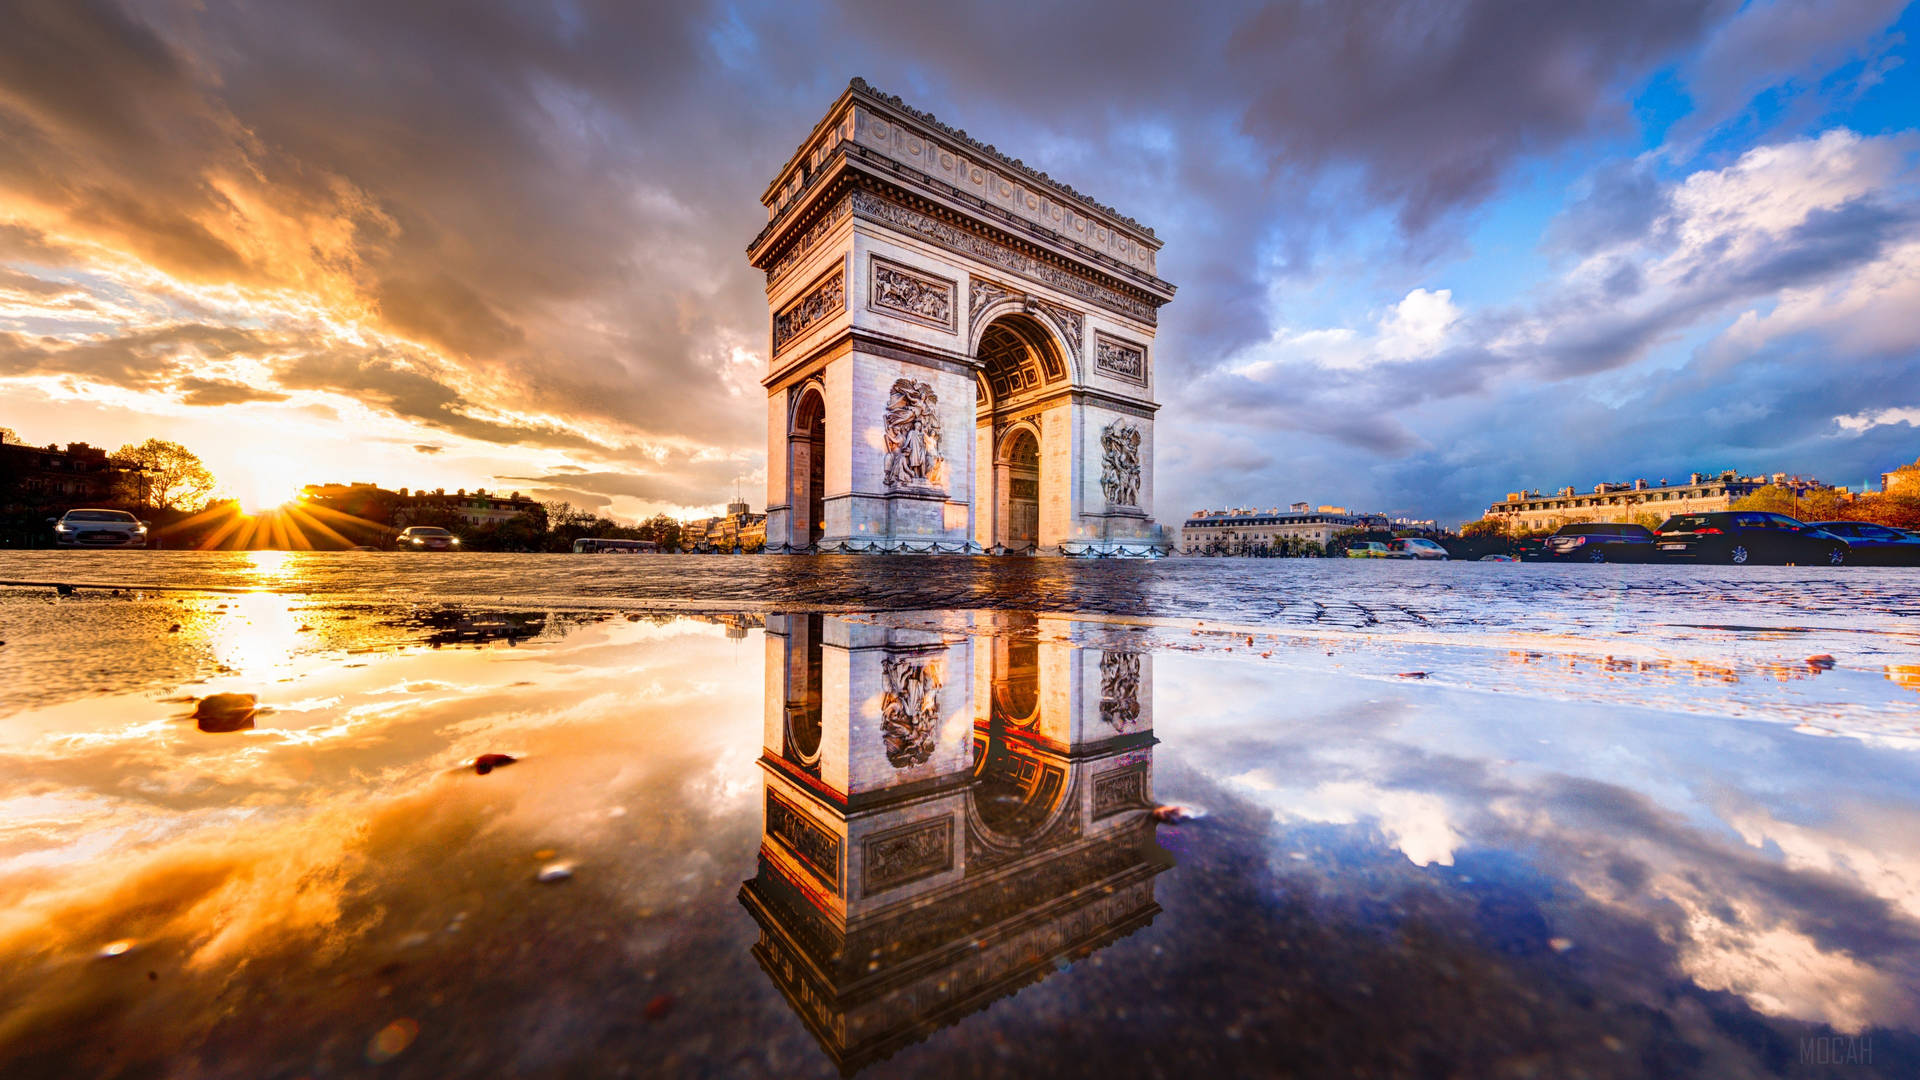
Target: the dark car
pixel 1740 537
pixel 1600 542
pixel 1875 544
pixel 1530 549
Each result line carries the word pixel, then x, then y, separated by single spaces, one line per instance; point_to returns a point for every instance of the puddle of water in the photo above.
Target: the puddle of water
pixel 923 842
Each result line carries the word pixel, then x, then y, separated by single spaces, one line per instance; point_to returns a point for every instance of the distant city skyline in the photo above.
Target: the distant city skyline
pixel 1427 254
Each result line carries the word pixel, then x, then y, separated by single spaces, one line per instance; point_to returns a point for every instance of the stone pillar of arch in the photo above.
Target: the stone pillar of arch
pixel 944 303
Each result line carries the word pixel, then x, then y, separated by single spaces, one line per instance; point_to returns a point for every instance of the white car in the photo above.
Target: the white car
pixel 99 529
pixel 1420 548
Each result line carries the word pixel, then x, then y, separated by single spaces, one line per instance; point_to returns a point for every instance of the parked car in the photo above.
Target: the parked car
pixel 1374 549
pixel 1418 547
pixel 1498 558
pixel 1600 541
pixel 427 538
pixel 1876 544
pixel 1530 549
pixel 99 529
pixel 1742 537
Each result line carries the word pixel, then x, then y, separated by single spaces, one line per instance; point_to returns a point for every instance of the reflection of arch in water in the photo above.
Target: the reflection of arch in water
pixel 1015 681
pixel 892 902
pixel 1025 798
pixel 802 728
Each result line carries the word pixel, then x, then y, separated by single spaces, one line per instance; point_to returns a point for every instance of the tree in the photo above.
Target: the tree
pixel 662 530
pixel 8 435
pixel 1901 511
pixel 176 478
pixel 1819 504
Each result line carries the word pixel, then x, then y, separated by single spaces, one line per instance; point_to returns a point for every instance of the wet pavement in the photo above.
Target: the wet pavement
pixel 1599 821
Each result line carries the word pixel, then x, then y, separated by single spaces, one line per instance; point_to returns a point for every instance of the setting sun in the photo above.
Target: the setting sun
pixel 266 485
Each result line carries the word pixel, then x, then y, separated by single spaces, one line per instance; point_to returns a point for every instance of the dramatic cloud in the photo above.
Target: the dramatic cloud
pixel 1431 102
pixel 216 392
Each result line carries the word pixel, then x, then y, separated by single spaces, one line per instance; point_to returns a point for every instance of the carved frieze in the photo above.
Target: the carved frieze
pixel 910 708
pixel 1120 690
pixel 913 438
pixel 907 854
pixel 1120 464
pixel 1120 790
pixel 983 294
pixel 809 240
pixel 1123 359
pixel 1071 324
pixel 962 242
pixel 811 845
pixel 825 299
pixel 921 297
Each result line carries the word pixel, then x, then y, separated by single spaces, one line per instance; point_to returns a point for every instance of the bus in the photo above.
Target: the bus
pixel 594 545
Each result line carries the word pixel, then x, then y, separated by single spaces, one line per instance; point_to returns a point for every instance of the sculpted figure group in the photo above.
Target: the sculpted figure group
pixel 909 709
pixel 913 437
pixel 1120 464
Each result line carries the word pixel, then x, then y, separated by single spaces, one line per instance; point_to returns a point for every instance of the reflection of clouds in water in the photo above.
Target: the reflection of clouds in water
pixel 344 727
pixel 309 852
pixel 1413 823
pixel 1778 867
pixel 1781 972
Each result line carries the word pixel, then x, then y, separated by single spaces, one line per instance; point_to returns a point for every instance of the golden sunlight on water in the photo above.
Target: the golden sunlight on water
pixel 254 634
pixel 269 566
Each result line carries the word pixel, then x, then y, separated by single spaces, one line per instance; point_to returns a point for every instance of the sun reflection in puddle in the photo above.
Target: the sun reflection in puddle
pixel 255 637
pixel 269 566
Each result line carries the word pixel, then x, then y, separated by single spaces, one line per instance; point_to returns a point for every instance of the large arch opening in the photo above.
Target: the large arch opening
pixel 1021 368
pixel 807 466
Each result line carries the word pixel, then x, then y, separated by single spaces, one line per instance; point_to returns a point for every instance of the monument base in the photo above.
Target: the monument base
pixel 897 545
pixel 1113 549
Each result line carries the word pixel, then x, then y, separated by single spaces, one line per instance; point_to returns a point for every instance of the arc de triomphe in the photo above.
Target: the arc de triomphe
pixel 961 348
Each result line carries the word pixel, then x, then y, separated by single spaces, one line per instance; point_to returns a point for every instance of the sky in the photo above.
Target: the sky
pixel 1427 253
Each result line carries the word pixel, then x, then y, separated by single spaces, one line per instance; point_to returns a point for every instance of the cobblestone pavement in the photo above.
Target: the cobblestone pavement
pixel 1375 596
pixel 1501 621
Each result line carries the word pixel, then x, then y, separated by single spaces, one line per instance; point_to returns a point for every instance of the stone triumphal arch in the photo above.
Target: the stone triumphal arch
pixel 961 348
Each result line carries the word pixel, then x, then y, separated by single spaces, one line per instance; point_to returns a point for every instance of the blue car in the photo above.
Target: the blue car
pixel 1876 544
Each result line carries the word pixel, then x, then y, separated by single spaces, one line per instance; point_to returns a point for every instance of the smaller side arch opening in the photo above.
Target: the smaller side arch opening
pixel 1023 490
pixel 807 468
